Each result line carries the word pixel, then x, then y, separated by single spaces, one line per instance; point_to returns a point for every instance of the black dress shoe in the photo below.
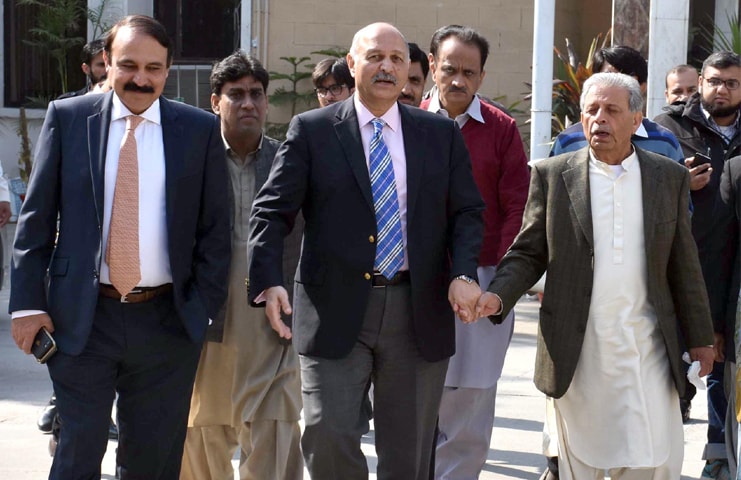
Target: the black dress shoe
pixel 685 406
pixel 45 419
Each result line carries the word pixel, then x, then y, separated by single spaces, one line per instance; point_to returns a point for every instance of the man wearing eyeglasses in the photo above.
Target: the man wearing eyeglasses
pixel 332 81
pixel 709 125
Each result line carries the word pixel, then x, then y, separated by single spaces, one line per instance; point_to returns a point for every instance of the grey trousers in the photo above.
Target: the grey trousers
pixel 407 391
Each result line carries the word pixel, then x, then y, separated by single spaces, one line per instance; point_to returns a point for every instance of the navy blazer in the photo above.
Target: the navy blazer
pixel 321 170
pixel 67 184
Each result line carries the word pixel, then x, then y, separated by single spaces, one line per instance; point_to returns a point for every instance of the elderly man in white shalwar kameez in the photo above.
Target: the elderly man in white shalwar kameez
pixel 610 223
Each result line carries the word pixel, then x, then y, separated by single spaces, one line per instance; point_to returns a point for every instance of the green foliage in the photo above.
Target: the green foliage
pixel 55 22
pixel 96 16
pixel 24 157
pixel 292 95
pixel 570 76
pixel 728 42
pixel 339 52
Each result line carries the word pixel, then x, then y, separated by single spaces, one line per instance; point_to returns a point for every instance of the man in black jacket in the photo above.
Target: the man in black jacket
pixel 709 124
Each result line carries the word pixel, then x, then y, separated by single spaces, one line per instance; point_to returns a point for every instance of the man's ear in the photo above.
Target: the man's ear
pixel 85 69
pixel 350 64
pixel 431 61
pixel 215 103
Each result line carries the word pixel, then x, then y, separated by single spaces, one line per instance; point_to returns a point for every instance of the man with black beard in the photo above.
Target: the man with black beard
pixel 709 124
pixel 93 66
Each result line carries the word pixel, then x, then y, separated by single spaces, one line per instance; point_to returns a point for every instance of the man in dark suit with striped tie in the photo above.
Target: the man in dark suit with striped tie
pixel 393 230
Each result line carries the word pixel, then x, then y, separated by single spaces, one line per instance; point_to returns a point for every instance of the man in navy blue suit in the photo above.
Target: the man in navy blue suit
pixel 123 254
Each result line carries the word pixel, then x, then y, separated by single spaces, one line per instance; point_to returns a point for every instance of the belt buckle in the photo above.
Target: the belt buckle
pixel 124 298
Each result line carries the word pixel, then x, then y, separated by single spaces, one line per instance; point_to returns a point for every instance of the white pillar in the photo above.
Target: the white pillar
pixel 540 116
pixel 245 27
pixel 724 9
pixel 667 47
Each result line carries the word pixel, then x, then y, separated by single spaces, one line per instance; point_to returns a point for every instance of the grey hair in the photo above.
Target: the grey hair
pixel 611 79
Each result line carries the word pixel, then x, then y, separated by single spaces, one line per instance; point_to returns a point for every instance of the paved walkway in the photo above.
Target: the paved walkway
pixel 515 445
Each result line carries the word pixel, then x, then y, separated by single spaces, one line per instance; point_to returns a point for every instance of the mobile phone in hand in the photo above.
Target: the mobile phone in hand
pixel 700 159
pixel 44 346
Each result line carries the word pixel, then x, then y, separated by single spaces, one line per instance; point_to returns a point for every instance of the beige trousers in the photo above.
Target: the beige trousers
pixel 269 450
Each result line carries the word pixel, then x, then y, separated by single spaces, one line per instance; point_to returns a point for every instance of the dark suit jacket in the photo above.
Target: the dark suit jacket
pixel 67 182
pixel 321 169
pixel 557 234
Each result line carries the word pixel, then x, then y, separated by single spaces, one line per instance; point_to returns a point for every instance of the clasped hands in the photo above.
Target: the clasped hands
pixel 469 303
pixel 465 298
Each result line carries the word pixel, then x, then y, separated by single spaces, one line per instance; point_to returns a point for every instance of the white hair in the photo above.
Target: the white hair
pixel 612 79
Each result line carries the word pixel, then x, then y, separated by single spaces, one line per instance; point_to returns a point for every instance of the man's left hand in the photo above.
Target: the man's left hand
pixel 5 213
pixel 463 297
pixel 705 355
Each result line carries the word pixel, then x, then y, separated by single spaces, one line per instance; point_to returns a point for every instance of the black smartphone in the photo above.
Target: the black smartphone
pixel 44 346
pixel 700 159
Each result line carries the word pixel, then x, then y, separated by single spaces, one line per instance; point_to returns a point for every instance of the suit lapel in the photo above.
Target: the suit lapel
pixel 651 180
pixel 348 133
pixel 97 137
pixel 263 162
pixel 414 143
pixel 174 147
pixel 576 179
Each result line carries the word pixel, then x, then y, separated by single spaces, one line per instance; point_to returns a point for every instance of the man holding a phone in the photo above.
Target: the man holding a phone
pixel 708 129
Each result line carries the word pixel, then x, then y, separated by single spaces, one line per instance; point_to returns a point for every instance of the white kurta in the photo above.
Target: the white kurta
pixel 621 407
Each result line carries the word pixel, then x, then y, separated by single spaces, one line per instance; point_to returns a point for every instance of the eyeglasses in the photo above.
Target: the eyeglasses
pixel 731 83
pixel 335 89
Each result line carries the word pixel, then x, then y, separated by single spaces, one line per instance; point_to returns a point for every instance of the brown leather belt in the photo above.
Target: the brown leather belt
pixel 401 277
pixel 137 295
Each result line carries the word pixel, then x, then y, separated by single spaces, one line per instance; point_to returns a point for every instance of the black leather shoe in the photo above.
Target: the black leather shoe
pixel 47 415
pixel 685 406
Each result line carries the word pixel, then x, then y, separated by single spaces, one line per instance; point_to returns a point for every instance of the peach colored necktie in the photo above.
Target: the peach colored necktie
pixel 123 238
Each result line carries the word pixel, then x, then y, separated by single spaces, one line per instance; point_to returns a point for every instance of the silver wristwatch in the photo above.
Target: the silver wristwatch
pixel 465 278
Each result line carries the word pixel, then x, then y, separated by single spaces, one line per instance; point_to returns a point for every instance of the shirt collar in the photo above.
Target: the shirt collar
pixel 228 147
pixel 641 132
pixel 392 117
pixel 119 111
pixel 473 110
pixel 628 163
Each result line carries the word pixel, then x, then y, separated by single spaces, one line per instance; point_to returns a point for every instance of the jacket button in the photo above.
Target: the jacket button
pixel 246 282
pixel 95 273
pixel 372 239
pixel 367 276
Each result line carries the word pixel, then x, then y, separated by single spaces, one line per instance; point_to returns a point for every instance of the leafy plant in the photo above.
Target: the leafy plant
pixel 24 157
pixel 730 41
pixel 291 96
pixel 570 76
pixel 56 22
pixel 96 16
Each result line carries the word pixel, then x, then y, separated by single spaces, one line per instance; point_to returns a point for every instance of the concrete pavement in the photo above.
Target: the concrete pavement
pixel 515 446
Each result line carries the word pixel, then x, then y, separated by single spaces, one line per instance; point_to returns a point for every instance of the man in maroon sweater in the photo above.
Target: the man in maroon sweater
pixel 457 57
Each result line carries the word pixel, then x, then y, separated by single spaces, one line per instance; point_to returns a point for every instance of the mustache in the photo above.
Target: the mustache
pixel 406 96
pixel 454 89
pixel 383 77
pixel 133 87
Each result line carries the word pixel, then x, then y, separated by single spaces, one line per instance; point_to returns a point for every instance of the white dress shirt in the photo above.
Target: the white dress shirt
pixel 153 251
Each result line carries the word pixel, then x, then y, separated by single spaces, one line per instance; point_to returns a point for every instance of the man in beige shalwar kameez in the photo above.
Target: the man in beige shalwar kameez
pixel 247 391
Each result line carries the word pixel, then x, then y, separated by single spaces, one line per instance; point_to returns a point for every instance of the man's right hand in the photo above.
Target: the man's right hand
pixel 276 301
pixel 699 175
pixel 24 329
pixel 488 304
